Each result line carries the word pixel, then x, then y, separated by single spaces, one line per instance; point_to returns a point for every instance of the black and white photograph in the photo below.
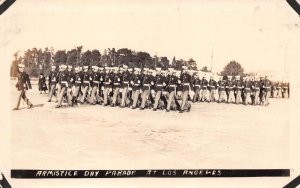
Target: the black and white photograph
pixel 150 93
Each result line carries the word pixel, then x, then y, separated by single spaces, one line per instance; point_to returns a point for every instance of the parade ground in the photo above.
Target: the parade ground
pixel 210 136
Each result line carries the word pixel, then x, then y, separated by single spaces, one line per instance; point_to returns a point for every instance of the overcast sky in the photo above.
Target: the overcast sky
pixel 262 35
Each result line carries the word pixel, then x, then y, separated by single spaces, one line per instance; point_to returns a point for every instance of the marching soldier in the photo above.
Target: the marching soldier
pixel 101 84
pixel 173 81
pixel 186 82
pixel 63 80
pixel 159 80
pixel 247 91
pixel 285 90
pixel 205 92
pixel 197 88
pixel 53 78
pixel 71 80
pixel 147 81
pixel 95 84
pixel 108 83
pixel 117 85
pixel 238 90
pixel 279 90
pixel 77 84
pixel 136 86
pixel 22 85
pixel 126 78
pixel 229 90
pixel 222 92
pixel 212 85
pixel 266 90
pixel 86 82
pixel 256 90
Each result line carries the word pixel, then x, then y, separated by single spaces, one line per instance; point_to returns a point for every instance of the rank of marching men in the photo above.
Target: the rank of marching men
pixel 156 89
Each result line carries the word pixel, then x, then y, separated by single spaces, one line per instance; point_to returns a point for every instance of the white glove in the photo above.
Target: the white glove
pixel 90 79
pixel 179 81
pixel 102 88
pixel 119 80
pixel 152 83
pixel 101 79
pixel 110 89
pixel 120 90
pixel 129 89
pixel 164 84
pixel 131 82
pixel 139 81
pixel 164 92
pixel 71 80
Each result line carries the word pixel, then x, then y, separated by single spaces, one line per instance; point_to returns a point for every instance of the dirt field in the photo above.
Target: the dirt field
pixel 95 137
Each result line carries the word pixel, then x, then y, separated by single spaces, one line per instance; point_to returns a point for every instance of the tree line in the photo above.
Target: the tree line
pixel 39 61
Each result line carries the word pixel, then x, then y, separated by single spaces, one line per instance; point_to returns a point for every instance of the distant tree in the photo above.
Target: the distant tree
pixel 191 64
pixel 232 68
pixel 205 69
pixel 60 57
pixel 174 63
pixel 72 57
pixel 95 57
pixel 143 59
pixel 163 63
pixel 86 58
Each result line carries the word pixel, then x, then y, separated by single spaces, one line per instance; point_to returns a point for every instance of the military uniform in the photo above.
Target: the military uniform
pixel 148 80
pixel 230 90
pixel 22 85
pixel 108 84
pixel 126 78
pixel 117 85
pixel 53 78
pixel 136 86
pixel 42 83
pixel 95 85
pixel 256 90
pixel 247 92
pixel 205 92
pixel 238 90
pixel 186 83
pixel 63 81
pixel 77 84
pixel 266 91
pixel 197 89
pixel 222 92
pixel 173 81
pixel 212 86
pixel 71 80
pixel 160 82
pixel 86 82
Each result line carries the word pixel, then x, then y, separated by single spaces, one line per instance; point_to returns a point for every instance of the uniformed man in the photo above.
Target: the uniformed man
pixel 52 77
pixel 256 89
pixel 101 85
pixel 205 92
pixel 63 80
pixel 172 101
pixel 197 88
pixel 23 84
pixel 95 84
pixel 126 78
pixel 212 85
pixel 229 87
pixel 278 90
pixel 148 79
pixel 186 83
pixel 164 94
pixel 238 90
pixel 86 82
pixel 136 86
pixel 285 90
pixel 117 80
pixel 160 80
pixel 247 91
pixel 266 90
pixel 108 84
pixel 71 80
pixel 77 85
pixel 221 88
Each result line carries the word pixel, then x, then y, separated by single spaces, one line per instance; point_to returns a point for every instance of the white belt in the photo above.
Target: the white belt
pixel 64 82
pixel 96 81
pixel 247 88
pixel 197 85
pixel 146 84
pixel 186 84
pixel 159 85
pixel 136 84
pixel 79 82
pixel 172 85
pixel 86 81
pixel 107 82
pixel 116 83
pixel 125 82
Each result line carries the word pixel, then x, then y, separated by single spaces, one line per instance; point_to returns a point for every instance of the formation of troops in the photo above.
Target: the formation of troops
pixel 146 88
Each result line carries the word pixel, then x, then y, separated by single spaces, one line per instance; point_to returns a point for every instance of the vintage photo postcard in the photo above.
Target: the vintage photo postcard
pixel 165 93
